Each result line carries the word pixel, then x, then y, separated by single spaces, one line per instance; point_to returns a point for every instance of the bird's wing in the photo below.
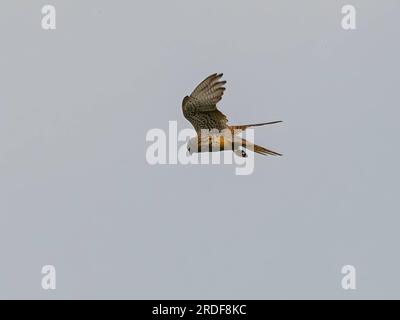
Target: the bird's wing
pixel 200 108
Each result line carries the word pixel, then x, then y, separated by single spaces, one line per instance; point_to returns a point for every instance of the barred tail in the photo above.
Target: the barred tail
pixel 258 149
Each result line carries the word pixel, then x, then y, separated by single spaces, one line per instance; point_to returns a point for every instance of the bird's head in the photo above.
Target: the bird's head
pixel 191 146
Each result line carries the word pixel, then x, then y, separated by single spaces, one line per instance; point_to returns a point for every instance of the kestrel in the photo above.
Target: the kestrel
pixel 211 125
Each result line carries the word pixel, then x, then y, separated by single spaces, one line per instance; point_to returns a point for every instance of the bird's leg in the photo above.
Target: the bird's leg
pixel 241 153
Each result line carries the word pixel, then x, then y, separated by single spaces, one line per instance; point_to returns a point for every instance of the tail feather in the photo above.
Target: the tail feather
pixel 258 149
pixel 245 126
pixel 265 151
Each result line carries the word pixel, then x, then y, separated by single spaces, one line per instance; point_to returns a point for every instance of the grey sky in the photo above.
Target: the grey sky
pixel 76 191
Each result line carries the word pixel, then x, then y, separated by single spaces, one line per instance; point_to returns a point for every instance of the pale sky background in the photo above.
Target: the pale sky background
pixel 76 190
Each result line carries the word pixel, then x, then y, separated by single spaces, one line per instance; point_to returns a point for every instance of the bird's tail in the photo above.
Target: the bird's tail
pixel 258 149
pixel 245 126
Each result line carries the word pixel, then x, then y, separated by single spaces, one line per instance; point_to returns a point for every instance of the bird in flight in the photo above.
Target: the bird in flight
pixel 211 125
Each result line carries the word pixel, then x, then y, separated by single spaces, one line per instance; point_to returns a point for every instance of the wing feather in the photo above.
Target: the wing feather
pixel 200 108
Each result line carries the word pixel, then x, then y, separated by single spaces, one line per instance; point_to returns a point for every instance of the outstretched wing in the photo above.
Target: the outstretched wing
pixel 200 108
